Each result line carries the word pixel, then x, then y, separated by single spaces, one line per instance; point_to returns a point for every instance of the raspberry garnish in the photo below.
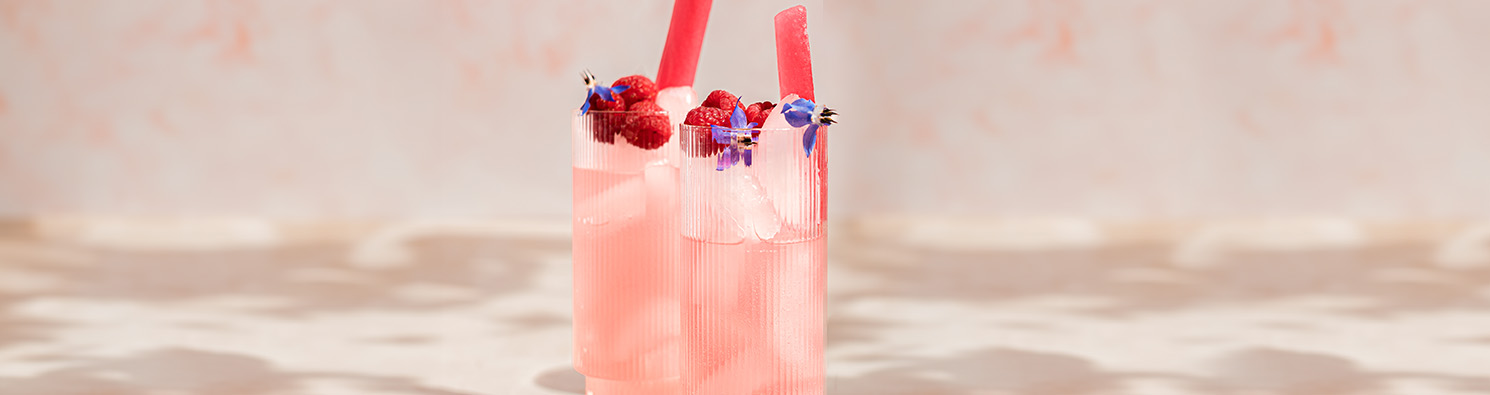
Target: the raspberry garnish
pixel 721 100
pixel 598 104
pixel 648 128
pixel 606 124
pixel 641 88
pixel 758 112
pixel 703 142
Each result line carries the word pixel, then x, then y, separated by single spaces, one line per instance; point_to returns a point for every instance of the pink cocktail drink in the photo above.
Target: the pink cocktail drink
pixel 625 247
pixel 753 263
pixel 626 272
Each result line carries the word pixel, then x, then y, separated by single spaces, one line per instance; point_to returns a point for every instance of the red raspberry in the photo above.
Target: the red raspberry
pixel 648 127
pixel 643 106
pixel 758 112
pixel 703 143
pixel 598 104
pixel 605 124
pixel 641 89
pixel 705 116
pixel 721 100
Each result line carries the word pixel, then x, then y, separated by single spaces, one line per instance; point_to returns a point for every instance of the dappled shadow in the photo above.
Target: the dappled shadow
pixel 982 371
pixel 532 322
pixel 845 329
pixel 1132 278
pixel 223 290
pixel 21 330
pixel 180 370
pixel 306 278
pixel 1288 372
pixel 563 379
pixel 1252 371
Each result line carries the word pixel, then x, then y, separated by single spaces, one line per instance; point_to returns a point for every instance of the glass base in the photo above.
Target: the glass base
pixel 594 386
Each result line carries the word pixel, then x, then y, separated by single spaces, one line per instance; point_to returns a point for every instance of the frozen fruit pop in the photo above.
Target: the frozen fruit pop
pixel 793 58
pixel 685 36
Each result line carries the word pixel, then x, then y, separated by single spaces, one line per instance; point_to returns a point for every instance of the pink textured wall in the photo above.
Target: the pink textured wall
pixel 1175 108
pixel 1113 109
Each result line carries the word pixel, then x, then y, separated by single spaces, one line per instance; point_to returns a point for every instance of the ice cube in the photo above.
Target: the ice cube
pixel 651 337
pixel 791 183
pixel 750 206
pixel 623 200
pixel 739 373
pixel 677 101
pixel 704 203
pixel 777 120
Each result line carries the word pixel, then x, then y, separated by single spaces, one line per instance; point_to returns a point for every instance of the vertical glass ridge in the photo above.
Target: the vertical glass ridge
pixel 625 248
pixel 754 267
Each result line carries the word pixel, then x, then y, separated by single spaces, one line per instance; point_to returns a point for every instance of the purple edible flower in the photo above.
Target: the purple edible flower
pixel 738 136
pixel 593 86
pixel 803 112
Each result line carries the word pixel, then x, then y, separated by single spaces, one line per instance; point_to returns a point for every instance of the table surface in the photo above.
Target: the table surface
pixel 469 308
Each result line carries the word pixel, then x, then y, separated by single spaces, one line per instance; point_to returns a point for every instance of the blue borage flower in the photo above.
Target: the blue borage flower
pixel 803 112
pixel 740 138
pixel 593 86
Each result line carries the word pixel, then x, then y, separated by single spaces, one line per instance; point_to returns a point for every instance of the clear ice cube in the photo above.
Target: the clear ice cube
pixel 789 184
pixel 706 202
pixel 677 101
pixel 751 208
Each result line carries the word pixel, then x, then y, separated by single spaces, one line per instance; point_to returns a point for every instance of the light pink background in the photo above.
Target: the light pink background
pixel 1105 109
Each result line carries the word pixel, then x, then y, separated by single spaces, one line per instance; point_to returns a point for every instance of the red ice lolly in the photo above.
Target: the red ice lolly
pixel 685 36
pixel 793 58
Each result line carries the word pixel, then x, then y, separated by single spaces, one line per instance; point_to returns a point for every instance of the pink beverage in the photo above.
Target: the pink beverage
pixel 626 330
pixel 753 264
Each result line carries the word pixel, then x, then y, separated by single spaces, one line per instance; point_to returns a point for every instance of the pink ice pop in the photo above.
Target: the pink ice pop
pixel 684 39
pixel 793 58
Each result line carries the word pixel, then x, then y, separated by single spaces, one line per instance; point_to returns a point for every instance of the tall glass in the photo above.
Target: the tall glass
pixel 753 266
pixel 625 246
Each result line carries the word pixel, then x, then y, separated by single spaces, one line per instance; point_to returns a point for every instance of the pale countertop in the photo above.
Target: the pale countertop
pixel 230 307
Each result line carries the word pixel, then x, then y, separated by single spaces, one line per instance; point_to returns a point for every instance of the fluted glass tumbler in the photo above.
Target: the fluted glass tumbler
pixel 753 262
pixel 625 246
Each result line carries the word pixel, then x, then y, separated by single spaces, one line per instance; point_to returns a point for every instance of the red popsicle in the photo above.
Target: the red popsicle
pixel 685 36
pixel 793 58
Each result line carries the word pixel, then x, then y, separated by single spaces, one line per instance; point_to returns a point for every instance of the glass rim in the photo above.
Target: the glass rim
pixel 710 127
pixel 576 112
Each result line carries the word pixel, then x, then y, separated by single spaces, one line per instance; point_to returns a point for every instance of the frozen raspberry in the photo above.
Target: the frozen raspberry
pixel 721 100
pixel 605 124
pixel 703 142
pixel 643 106
pixel 641 89
pixel 648 129
pixel 598 104
pixel 705 116
pixel 758 112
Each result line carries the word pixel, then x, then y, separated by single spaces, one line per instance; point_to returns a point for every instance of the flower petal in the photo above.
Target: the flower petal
pixel 803 105
pixel 798 118
pixel 726 159
pixel 619 88
pixel 585 109
pixel 746 154
pixel 809 139
pixel 722 135
pixel 604 92
pixel 737 118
